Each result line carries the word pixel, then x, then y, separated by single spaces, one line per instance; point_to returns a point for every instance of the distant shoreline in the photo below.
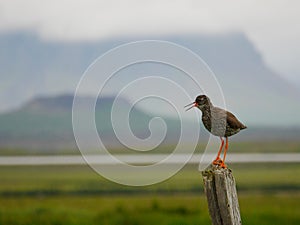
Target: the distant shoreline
pixel 146 159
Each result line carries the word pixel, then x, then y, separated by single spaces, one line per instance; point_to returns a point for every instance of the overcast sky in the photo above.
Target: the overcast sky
pixel 272 25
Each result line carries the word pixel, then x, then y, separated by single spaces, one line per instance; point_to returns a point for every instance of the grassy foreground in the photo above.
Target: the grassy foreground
pixel 146 209
pixel 268 194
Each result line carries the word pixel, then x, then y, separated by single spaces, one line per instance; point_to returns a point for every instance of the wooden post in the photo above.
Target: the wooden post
pixel 220 190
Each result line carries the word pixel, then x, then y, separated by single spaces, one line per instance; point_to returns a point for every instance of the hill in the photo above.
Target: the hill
pixel 31 67
pixel 46 123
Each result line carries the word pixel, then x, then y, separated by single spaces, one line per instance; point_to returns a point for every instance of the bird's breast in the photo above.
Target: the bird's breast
pixel 215 123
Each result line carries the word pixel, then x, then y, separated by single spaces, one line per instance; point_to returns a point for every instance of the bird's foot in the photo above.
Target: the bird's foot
pixel 218 161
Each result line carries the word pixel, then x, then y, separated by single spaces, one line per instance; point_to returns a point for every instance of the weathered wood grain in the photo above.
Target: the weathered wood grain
pixel 220 190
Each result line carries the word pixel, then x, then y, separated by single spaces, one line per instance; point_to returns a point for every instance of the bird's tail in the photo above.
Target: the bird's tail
pixel 243 127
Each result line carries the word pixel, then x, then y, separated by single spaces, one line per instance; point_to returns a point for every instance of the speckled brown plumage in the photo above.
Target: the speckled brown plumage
pixel 219 122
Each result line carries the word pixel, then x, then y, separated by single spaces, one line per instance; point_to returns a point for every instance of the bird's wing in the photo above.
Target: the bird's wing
pixel 233 121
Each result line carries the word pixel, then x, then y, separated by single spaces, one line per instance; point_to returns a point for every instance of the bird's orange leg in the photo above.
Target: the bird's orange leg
pixel 223 165
pixel 218 160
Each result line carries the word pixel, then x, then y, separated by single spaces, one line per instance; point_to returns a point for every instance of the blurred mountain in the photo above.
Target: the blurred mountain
pixel 46 123
pixel 30 67
pixel 251 89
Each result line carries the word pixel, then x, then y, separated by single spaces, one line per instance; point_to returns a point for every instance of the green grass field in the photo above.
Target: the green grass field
pixel 191 209
pixel 268 194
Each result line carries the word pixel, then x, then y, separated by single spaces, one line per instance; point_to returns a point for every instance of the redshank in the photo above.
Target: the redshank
pixel 219 122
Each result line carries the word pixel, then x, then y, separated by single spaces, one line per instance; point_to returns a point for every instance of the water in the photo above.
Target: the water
pixel 144 159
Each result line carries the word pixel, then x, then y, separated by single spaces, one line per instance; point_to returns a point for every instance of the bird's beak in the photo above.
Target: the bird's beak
pixel 193 104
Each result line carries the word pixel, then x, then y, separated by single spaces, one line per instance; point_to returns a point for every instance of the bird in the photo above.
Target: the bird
pixel 218 122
